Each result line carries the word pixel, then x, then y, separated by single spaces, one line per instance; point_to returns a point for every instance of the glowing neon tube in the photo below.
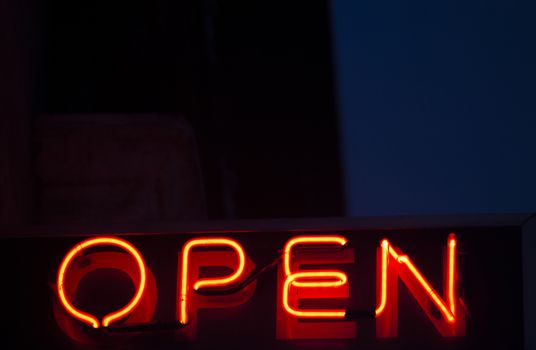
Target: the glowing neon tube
pixel 447 312
pixel 383 297
pixel 452 274
pixel 337 279
pixel 116 315
pixel 338 240
pixel 207 282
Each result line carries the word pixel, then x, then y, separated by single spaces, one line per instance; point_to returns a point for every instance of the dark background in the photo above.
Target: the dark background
pixel 255 84
pixel 299 109
pixel 316 109
pixel 436 102
pixel 491 289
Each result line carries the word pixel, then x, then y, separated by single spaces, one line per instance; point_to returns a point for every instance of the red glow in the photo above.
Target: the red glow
pixel 337 279
pixel 404 259
pixel 207 282
pixel 398 263
pixel 392 252
pixel 111 317
pixel 339 240
pixel 383 291
pixel 313 279
pixel 296 283
pixel 452 274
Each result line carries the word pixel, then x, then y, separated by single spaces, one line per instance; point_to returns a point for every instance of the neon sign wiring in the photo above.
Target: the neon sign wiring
pixel 392 265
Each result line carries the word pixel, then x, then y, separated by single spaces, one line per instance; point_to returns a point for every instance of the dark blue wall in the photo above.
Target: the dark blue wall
pixel 437 101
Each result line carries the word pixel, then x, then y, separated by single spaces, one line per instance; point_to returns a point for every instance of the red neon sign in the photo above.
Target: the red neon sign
pixel 207 282
pixel 316 279
pixel 395 263
pixel 295 282
pixel 322 279
pixel 113 316
pixel 316 284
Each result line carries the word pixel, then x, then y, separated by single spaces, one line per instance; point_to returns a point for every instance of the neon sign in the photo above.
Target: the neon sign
pixel 397 264
pixel 207 282
pixel 113 316
pixel 302 276
pixel 312 279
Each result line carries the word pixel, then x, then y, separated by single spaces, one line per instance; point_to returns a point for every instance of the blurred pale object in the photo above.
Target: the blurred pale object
pixel 117 169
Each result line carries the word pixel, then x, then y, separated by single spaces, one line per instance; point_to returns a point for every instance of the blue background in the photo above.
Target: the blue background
pixel 437 105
